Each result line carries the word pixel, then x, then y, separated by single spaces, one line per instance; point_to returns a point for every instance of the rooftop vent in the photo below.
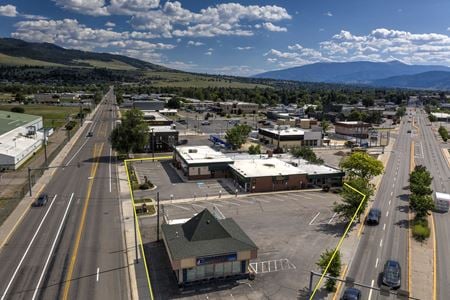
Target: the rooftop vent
pixel 269 165
pixel 192 151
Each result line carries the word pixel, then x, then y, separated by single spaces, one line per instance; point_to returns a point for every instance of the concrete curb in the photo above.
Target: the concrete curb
pixel 16 216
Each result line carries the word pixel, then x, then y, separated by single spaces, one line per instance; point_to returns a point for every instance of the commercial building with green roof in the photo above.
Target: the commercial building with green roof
pixel 208 247
pixel 19 138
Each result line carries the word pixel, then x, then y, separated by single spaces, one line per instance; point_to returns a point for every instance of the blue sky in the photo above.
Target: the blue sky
pixel 240 38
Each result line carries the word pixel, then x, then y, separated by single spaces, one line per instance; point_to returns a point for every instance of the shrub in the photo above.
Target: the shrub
pixel 421 231
pixel 145 186
pixel 70 125
pixel 18 109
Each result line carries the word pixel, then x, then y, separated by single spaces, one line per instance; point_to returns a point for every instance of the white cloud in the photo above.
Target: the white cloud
pixel 208 53
pixel 110 24
pixel 87 7
pixel 244 48
pixel 130 7
pixel 8 10
pixel 380 44
pixel 269 26
pixel 193 43
pixel 71 34
pixel 33 17
pixel 328 14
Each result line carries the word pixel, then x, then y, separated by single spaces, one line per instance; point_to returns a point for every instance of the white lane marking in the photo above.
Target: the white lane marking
pixel 392 193
pixel 28 249
pixel 312 221
pixel 331 220
pixel 381 243
pixel 393 185
pixel 98 273
pixel 376 263
pixel 387 213
pixel 52 248
pixel 76 153
pixel 389 202
pixel 395 178
pixel 370 292
pixel 384 226
pixel 110 175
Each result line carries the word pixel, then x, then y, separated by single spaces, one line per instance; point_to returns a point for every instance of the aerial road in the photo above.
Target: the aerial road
pixel 72 248
pixel 389 239
pixel 435 162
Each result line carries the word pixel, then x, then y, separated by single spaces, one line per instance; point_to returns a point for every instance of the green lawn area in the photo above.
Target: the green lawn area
pixel 20 61
pixel 54 116
pixel 114 64
pixel 191 80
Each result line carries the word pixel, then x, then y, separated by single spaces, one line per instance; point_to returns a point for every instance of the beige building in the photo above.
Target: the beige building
pixel 235 107
pixel 357 129
pixel 288 137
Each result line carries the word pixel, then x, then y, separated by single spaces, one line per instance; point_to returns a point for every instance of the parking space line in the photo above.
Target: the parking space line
pixel 312 221
pixel 179 206
pixel 320 196
pixel 202 207
pixel 230 202
pixel 331 220
pixel 261 200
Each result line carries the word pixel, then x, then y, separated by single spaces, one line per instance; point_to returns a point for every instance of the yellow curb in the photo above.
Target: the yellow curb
pixel 446 155
pixel 434 256
pixel 338 288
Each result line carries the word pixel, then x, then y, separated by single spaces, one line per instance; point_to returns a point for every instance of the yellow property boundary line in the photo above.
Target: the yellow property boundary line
pixel 341 239
pixel 136 216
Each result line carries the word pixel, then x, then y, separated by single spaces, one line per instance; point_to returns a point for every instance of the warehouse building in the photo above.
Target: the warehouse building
pixel 20 138
pixel 266 175
pixel 201 162
pixel 207 247
pixel 287 137
pixel 153 118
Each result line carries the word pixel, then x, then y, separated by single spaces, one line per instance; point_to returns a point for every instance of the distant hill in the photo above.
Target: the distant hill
pixel 437 80
pixel 358 72
pixel 46 54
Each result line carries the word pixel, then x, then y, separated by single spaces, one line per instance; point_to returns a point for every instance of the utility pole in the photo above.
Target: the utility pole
pixel 157 217
pixel 29 180
pixel 45 147
pixel 153 144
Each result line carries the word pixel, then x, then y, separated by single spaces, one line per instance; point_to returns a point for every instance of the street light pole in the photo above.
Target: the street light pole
pixel 157 217
pixel 153 144
pixel 45 147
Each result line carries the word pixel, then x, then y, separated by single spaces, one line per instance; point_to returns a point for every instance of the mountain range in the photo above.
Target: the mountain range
pixel 393 74
pixel 18 52
pixel 388 74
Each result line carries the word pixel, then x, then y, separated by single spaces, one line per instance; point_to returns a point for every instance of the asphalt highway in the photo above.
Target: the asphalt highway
pixel 431 156
pixel 389 239
pixel 73 248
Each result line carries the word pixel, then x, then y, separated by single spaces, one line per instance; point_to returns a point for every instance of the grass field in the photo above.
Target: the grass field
pixel 54 116
pixel 190 80
pixel 21 61
pixel 114 65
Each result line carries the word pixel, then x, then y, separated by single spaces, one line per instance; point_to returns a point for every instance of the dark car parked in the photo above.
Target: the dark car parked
pixel 373 218
pixel 351 294
pixel 392 274
pixel 41 200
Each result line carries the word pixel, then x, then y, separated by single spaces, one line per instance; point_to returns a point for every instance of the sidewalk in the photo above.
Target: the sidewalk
pixel 136 267
pixel 14 219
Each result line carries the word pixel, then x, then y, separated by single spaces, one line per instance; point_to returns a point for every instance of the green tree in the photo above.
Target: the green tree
pixel 254 149
pixel 354 116
pixel 325 126
pixel 19 97
pixel 420 181
pixel 237 135
pixel 368 102
pixel 333 270
pixel 119 98
pixel 132 134
pixel 421 205
pixel 443 132
pixel 432 118
pixel 360 164
pixel 306 153
pixel 97 97
pixel 174 103
pixel 351 199
pixel 401 111
pixel 18 109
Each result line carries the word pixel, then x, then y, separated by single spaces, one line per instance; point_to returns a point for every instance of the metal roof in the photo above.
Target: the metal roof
pixel 10 120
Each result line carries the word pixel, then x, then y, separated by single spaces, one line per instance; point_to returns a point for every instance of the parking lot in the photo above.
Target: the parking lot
pixel 291 230
pixel 170 184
